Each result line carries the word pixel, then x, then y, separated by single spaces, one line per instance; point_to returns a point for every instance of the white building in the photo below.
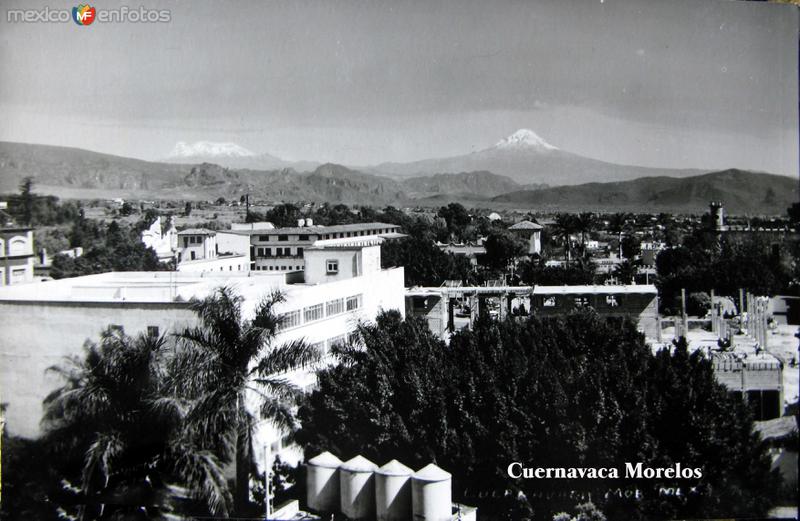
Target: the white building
pixel 42 323
pixel 531 232
pixel 165 243
pixel 282 249
pixel 199 252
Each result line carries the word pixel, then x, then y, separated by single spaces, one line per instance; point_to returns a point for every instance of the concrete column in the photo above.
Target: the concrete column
pixel 714 324
pixel 684 318
pixel 451 326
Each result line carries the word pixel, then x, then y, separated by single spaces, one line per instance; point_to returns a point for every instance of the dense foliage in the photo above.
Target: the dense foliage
pixel 570 392
pixel 30 209
pixel 143 426
pixel 106 247
pixel 725 265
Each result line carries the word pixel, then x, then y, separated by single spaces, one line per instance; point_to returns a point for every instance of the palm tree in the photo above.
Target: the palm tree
pixel 112 411
pixel 616 224
pixel 565 226
pixel 584 224
pixel 224 359
pixel 625 272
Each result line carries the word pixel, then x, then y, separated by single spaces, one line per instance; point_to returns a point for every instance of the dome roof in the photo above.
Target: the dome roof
pixel 431 473
pixel 395 468
pixel 359 464
pixel 325 459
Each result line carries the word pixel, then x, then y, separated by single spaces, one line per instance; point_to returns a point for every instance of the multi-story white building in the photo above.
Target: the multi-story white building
pixel 43 323
pixel 200 251
pixel 282 249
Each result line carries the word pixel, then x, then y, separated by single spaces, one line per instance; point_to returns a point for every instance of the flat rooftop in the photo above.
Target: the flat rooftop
pixel 630 289
pixel 142 287
pixel 315 229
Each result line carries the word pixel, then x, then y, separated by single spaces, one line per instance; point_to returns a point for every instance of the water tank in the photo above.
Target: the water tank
pixel 431 494
pixel 301 223
pixel 309 222
pixel 393 492
pixel 322 483
pixel 357 488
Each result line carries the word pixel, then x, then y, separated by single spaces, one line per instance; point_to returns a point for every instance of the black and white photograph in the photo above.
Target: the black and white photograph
pixel 399 260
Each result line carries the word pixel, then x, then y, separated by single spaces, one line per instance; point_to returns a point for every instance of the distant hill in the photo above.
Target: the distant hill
pixel 528 159
pixel 467 184
pixel 739 190
pixel 76 173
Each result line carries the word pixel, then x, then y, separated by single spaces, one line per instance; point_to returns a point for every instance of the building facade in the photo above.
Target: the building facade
pixel 43 323
pixel 638 301
pixel 532 233
pixel 282 249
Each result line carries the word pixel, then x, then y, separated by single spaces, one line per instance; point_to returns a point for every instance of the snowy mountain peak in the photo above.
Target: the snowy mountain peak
pixel 208 149
pixel 524 138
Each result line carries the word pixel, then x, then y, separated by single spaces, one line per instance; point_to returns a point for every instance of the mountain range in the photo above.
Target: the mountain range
pixel 76 173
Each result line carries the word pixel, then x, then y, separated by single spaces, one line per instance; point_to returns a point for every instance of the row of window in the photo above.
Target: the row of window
pixel 279 252
pixel 319 311
pixel 339 235
pixel 192 239
pixel 278 268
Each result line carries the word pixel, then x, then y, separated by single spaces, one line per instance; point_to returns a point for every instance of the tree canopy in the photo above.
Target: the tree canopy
pixel 576 391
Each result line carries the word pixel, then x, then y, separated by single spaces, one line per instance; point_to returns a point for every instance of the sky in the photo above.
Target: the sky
pixel 695 83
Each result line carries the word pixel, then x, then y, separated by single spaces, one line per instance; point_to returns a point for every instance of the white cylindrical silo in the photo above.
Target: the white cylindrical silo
pixel 431 497
pixel 393 492
pixel 357 488
pixel 322 483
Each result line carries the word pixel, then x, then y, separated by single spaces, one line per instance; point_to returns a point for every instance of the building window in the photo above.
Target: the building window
pixel 353 302
pixel 283 237
pixel 334 307
pixel 263 238
pixel 116 328
pixel 291 319
pixel 549 302
pixel 313 313
pixel 332 266
pixel 303 237
pixel 299 252
pixel 152 331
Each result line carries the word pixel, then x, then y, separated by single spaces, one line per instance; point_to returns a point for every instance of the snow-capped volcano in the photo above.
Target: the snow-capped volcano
pixel 524 138
pixel 208 149
pixel 528 159
pixel 231 155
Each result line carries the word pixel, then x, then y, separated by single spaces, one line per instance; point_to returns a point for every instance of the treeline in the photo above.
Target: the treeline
pixel 30 209
pixel 112 246
pixel 726 264
pixel 577 391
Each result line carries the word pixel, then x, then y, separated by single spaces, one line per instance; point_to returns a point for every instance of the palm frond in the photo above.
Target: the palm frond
pixel 293 355
pixel 203 472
